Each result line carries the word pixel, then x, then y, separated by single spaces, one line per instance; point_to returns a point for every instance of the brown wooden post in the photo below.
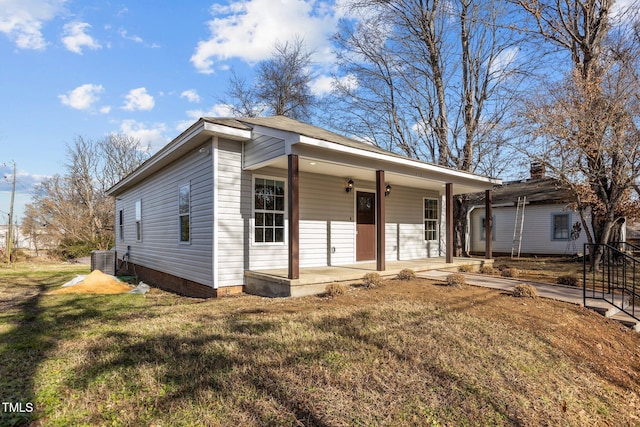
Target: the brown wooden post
pixel 488 225
pixel 380 221
pixel 294 218
pixel 449 221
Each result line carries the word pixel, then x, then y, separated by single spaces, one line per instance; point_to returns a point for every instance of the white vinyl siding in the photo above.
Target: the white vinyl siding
pixel 232 216
pixel 536 233
pixel 161 249
pixel 262 149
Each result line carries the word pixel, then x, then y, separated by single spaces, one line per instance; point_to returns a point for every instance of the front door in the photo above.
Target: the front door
pixel 365 226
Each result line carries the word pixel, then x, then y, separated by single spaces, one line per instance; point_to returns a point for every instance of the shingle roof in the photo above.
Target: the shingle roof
pixel 537 191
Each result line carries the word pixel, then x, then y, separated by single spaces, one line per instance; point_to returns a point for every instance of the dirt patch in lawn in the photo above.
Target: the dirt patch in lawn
pixel 96 283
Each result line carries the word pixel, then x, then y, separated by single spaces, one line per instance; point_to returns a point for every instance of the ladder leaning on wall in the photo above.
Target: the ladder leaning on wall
pixel 518 226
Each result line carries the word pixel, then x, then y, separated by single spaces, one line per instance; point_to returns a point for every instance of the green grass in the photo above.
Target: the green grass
pixel 161 359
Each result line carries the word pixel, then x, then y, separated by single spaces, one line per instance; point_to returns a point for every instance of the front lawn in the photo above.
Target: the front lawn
pixel 409 353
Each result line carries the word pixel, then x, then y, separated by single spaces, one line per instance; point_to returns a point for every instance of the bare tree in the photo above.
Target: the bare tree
pixel 586 127
pixel 434 80
pixel 74 208
pixel 282 85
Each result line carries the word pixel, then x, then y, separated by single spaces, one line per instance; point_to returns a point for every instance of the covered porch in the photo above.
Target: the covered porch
pixel 313 280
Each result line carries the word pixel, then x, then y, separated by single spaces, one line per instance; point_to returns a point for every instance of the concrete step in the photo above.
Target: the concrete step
pixel 617 315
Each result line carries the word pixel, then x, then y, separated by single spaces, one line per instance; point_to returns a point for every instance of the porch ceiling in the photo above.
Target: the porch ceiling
pixel 320 166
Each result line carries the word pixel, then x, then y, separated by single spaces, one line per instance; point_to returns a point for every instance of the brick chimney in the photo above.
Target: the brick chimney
pixel 537 170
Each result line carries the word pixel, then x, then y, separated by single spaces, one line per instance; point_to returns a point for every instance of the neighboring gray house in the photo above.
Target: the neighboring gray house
pixel 549 223
pixel 229 196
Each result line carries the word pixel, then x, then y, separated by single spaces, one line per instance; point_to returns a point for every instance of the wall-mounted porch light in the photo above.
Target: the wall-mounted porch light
pixel 349 186
pixel 387 190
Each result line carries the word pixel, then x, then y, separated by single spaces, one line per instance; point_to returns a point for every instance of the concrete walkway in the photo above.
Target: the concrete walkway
pixel 568 294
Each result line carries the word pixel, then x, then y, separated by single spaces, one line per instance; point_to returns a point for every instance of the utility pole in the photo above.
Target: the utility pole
pixel 10 233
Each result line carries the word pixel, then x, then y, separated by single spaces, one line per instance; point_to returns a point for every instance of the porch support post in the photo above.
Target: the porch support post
pixel 488 225
pixel 294 218
pixel 449 221
pixel 380 220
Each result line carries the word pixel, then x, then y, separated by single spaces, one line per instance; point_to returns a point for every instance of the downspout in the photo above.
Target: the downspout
pixel 467 237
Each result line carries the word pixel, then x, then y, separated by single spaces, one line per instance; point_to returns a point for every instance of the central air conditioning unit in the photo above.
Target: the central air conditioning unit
pixel 104 261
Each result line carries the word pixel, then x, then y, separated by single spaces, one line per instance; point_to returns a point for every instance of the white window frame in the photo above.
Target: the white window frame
pixel 263 211
pixel 183 214
pixel 138 210
pixel 483 230
pixel 553 223
pixel 435 220
pixel 121 223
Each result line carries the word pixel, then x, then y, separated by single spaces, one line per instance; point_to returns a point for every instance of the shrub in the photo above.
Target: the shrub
pixel 568 279
pixel 525 290
pixel 406 274
pixel 372 280
pixel 456 280
pixel 510 272
pixel 335 289
pixel 486 269
pixel 465 268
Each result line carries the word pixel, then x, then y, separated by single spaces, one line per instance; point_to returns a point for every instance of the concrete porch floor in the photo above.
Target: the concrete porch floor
pixel 313 280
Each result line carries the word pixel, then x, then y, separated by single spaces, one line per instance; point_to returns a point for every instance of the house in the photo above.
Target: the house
pixel 545 222
pixel 229 197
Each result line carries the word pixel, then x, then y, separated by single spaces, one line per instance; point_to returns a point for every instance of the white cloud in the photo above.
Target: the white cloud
pixel 123 33
pixel 323 85
pixel 218 110
pixel 22 20
pixel 105 110
pixel 152 135
pixel 248 30
pixel 82 97
pixel 138 99
pixel 75 37
pixel 191 95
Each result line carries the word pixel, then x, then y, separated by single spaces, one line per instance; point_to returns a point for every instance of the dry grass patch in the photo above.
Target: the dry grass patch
pixel 510 272
pixel 335 289
pixel 372 280
pixel 411 354
pixel 525 290
pixel 456 280
pixel 486 269
pixel 406 274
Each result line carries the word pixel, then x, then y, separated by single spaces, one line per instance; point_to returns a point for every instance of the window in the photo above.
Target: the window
pixel 184 212
pixel 430 219
pixel 139 220
pixel 483 231
pixel 561 226
pixel 121 224
pixel 268 210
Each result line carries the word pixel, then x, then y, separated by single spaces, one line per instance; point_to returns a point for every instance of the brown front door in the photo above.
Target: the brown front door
pixel 365 226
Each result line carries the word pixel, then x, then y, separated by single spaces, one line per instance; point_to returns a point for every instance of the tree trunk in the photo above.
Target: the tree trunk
pixel 460 210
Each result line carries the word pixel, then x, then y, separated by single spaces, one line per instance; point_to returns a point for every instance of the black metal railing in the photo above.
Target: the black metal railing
pixel 614 277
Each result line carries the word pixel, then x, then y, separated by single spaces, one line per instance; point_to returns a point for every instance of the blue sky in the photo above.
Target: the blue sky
pixel 142 68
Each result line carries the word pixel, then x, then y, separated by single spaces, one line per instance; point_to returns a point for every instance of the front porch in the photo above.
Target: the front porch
pixel 313 280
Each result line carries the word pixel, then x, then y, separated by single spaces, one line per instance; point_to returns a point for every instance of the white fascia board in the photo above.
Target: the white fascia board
pixel 174 146
pixel 228 132
pixel 397 160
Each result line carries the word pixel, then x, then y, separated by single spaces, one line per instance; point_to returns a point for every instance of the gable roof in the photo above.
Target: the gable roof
pixel 244 129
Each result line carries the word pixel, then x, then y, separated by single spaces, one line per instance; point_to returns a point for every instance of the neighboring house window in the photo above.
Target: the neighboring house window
pixel 561 229
pixel 483 230
pixel 269 210
pixel 139 220
pixel 430 219
pixel 121 224
pixel 184 209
